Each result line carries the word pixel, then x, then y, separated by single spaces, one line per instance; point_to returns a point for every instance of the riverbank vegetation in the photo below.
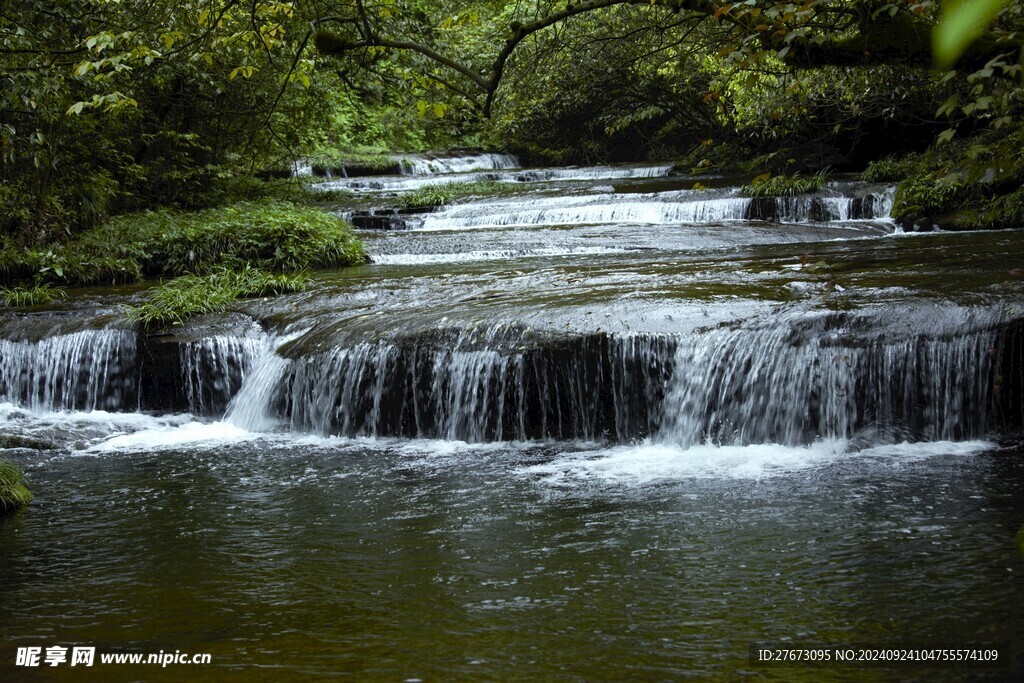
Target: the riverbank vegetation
pixel 176 300
pixel 13 492
pixel 767 185
pixel 214 256
pixel 111 109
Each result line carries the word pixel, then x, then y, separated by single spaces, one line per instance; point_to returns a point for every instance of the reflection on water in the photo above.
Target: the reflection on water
pixel 295 557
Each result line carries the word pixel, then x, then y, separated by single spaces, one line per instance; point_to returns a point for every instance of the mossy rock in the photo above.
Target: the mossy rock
pixel 27 442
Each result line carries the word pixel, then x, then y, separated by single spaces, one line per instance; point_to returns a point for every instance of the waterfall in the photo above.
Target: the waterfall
pixel 791 383
pixel 457 164
pixel 213 369
pixel 775 385
pixel 543 175
pixel 739 387
pixel 413 181
pixel 665 208
pixel 87 370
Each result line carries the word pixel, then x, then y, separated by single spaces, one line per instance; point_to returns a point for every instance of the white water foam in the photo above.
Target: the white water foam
pixel 169 436
pixel 495 255
pixel 410 183
pixel 659 208
pixel 647 463
pixel 460 164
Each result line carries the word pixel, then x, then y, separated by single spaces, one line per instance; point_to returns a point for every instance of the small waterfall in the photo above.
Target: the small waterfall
pixel 87 370
pixel 478 389
pixel 666 208
pixel 411 181
pixel 543 175
pixel 820 209
pixel 788 384
pixel 213 370
pixel 252 407
pixel 459 164
pixel 774 386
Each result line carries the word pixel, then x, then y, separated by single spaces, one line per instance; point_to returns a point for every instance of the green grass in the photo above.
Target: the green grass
pixel 448 193
pixel 30 295
pixel 13 493
pixel 214 256
pixel 785 185
pixel 174 301
pixel 270 235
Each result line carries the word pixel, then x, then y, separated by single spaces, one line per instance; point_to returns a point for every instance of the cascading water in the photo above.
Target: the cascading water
pixel 773 385
pixel 466 172
pixel 457 164
pixel 87 370
pixel 214 369
pixel 770 379
pixel 690 207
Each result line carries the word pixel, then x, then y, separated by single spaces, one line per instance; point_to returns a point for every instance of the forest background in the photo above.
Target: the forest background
pixel 116 106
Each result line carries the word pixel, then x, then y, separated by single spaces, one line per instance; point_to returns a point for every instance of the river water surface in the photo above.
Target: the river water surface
pixel 598 427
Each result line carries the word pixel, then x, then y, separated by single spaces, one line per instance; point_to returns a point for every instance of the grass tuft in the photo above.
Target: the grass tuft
pixel 13 492
pixel 174 301
pixel 30 295
pixel 767 185
pixel 448 193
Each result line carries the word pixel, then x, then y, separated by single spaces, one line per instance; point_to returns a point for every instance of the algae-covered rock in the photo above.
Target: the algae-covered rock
pixel 28 442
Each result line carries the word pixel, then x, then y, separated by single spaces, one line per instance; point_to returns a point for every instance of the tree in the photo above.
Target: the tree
pixel 754 36
pixel 114 104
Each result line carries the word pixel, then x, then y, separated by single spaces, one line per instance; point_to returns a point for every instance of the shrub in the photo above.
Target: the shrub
pixel 888 170
pixel 270 235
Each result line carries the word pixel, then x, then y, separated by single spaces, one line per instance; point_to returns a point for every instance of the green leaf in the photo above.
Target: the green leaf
pixel 949 105
pixel 962 21
pixel 946 135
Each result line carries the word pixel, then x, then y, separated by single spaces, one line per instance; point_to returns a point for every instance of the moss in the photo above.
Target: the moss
pixel 270 235
pixel 13 492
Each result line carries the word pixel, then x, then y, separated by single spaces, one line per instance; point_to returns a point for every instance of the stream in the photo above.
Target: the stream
pixel 601 424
